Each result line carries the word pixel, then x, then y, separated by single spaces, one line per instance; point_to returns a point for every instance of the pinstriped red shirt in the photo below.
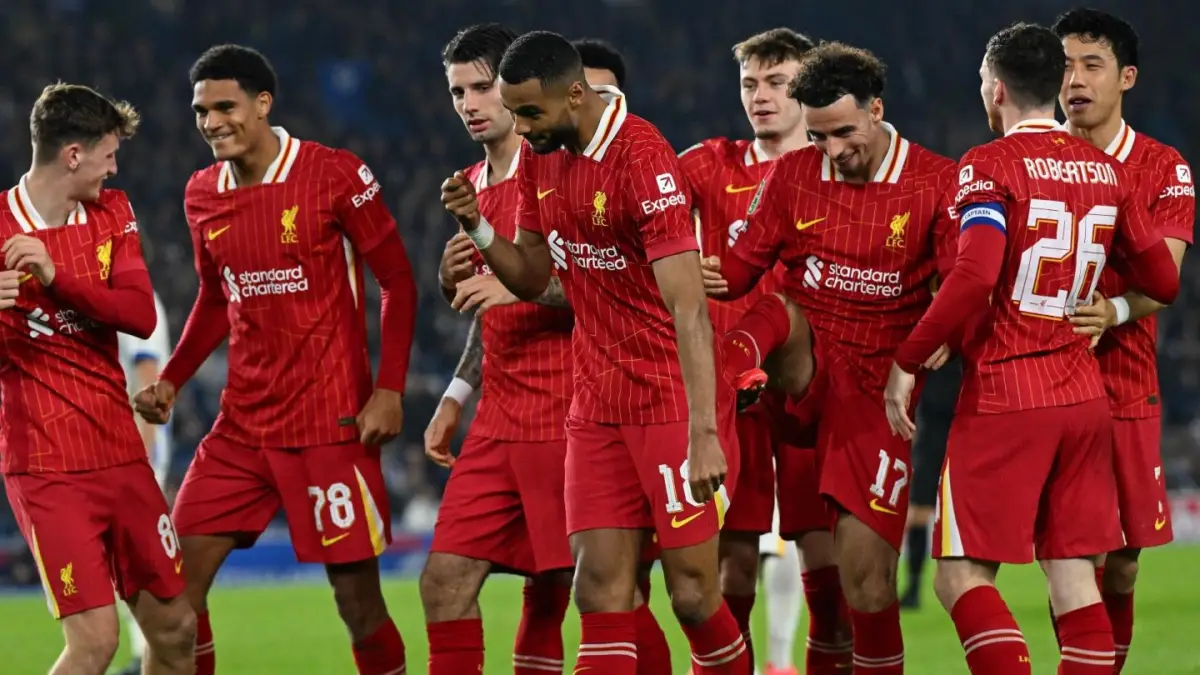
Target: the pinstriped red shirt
pixel 606 215
pixel 64 404
pixel 527 378
pixel 722 177
pixel 286 257
pixel 1128 354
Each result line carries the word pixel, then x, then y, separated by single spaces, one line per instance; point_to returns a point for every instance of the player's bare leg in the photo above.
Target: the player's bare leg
pixel 539 645
pixel 1117 577
pixel 449 588
pixel 830 644
pixel 867 565
pixel 739 562
pixel 202 559
pixel 606 577
pixel 718 647
pixel 772 335
pixel 990 636
pixel 378 648
pixel 92 638
pixel 169 627
pixel 1081 621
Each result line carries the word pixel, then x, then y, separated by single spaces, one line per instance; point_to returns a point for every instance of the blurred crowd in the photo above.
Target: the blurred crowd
pixel 366 75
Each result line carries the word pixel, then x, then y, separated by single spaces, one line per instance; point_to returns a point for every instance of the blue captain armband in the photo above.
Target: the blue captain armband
pixel 984 213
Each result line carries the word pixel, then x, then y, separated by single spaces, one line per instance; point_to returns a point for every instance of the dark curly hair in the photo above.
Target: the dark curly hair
pixel 1092 25
pixel 833 70
pixel 252 71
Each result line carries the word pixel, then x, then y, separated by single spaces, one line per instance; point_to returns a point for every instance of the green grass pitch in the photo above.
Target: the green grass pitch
pixel 290 629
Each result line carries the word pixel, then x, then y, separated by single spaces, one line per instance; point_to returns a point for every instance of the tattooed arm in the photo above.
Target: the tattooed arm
pixel 470 366
pixel 553 296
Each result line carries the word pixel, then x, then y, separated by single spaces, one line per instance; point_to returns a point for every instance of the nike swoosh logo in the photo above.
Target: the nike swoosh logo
pixel 676 523
pixel 876 506
pixel 802 225
pixel 178 566
pixel 1160 523
pixel 24 277
pixel 733 190
pixel 213 234
pixel 330 541
pixel 542 194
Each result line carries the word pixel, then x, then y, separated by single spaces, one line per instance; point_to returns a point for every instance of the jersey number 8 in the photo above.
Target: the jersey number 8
pixel 1072 240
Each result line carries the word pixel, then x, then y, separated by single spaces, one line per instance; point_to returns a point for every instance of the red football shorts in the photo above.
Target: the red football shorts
pixel 1141 486
pixel 635 477
pixel 504 504
pixel 333 496
pixel 96 532
pixel 757 431
pixel 1032 484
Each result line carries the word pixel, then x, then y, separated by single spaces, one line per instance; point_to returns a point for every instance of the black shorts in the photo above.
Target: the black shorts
pixel 935 411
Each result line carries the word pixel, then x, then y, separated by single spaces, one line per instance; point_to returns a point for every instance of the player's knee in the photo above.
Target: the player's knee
pixel 954 578
pixel 93 652
pixel 869 582
pixel 449 585
pixel 739 564
pixel 172 636
pixel 603 589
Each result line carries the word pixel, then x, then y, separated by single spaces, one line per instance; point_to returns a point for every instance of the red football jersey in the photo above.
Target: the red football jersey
pixel 1063 204
pixel 861 258
pixel 722 176
pixel 286 254
pixel 1128 354
pixel 527 383
pixel 64 404
pixel 606 215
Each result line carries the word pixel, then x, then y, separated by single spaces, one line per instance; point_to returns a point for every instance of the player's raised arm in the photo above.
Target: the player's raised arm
pixel 127 303
pixel 524 265
pixel 757 249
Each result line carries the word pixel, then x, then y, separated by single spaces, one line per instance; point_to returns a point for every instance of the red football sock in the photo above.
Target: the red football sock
pixel 878 643
pixel 539 647
pixel 455 647
pixel 1100 585
pixel 830 647
pixel 760 331
pixel 608 643
pixel 990 636
pixel 1087 642
pixel 717 646
pixel 1119 607
pixel 206 653
pixel 653 650
pixel 740 606
pixel 382 653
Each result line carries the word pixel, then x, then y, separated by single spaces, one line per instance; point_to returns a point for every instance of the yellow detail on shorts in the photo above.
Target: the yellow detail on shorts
pixel 51 598
pixel 722 506
pixel 371 512
pixel 944 505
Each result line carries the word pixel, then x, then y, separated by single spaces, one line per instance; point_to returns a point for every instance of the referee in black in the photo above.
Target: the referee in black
pixel 934 413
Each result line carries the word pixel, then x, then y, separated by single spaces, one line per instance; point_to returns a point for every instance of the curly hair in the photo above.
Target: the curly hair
pixel 833 70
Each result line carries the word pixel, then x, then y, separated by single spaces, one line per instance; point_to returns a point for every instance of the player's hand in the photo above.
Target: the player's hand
pixel 714 284
pixel 458 196
pixel 896 399
pixel 482 290
pixel 706 465
pixel 939 358
pixel 441 431
pixel 154 402
pixel 381 418
pixel 28 254
pixel 10 288
pixel 1095 318
pixel 457 261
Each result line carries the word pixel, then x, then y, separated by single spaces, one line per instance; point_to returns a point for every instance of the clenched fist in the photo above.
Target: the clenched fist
pixel 458 196
pixel 154 402
pixel 28 254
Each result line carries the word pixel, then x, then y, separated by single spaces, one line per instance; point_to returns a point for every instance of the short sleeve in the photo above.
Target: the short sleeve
pixel 528 214
pixel 659 206
pixel 127 240
pixel 359 204
pixel 1174 208
pixel 766 220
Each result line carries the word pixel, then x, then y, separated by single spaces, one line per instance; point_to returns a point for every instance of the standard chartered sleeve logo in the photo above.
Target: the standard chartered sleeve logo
pixel 278 281
pixel 584 255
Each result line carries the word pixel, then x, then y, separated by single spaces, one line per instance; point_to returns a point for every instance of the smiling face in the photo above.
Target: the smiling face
pixel 772 113
pixel 1093 83
pixel 543 115
pixel 477 101
pixel 228 117
pixel 844 131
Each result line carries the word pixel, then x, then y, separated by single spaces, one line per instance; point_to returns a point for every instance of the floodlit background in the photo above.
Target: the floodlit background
pixel 367 76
